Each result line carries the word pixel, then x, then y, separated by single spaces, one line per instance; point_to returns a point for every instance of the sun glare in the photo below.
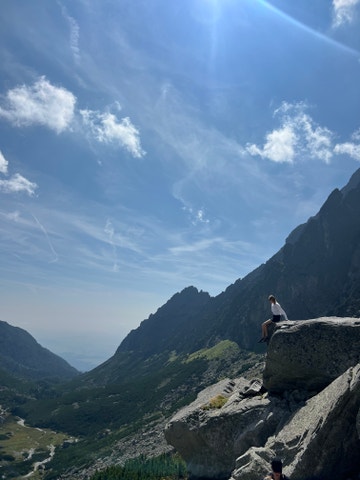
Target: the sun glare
pixel 321 36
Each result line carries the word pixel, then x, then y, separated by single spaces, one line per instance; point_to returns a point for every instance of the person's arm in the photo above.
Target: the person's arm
pixel 284 313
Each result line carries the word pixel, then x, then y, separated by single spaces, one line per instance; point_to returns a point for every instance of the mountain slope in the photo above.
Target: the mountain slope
pixel 316 273
pixel 174 320
pixel 194 339
pixel 23 357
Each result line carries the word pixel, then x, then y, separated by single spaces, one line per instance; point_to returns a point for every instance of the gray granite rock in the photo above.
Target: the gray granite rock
pixel 319 441
pixel 310 354
pixel 210 439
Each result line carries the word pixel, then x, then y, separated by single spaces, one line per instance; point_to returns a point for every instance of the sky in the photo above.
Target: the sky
pixel 150 145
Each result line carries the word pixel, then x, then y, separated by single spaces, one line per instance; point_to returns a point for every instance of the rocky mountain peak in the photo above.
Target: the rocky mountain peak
pixel 353 183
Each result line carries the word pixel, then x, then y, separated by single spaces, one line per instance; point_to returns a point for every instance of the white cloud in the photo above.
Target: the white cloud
pixel 351 148
pixel 197 216
pixel 279 146
pixel 356 135
pixel 348 148
pixel 17 183
pixel 344 11
pixel 54 107
pixel 39 104
pixel 108 129
pixel 318 139
pixel 197 246
pixel 3 164
pixel 298 135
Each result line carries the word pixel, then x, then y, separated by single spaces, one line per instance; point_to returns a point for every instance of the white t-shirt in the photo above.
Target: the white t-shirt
pixel 277 310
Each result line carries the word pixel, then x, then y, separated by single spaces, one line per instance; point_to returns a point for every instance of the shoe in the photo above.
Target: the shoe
pixel 261 340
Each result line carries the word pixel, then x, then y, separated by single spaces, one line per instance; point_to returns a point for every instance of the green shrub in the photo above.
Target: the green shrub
pixel 215 402
pixel 169 467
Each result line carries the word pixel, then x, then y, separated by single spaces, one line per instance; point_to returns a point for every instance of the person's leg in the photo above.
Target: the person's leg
pixel 264 328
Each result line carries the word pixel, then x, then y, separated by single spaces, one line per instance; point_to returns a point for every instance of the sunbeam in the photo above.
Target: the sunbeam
pixel 319 35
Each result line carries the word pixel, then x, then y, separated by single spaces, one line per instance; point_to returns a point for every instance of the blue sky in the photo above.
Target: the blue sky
pixel 149 145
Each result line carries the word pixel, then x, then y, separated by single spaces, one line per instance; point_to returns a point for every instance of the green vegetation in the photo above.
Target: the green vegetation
pixel 21 446
pixel 121 398
pixel 164 467
pixel 222 349
pixel 215 402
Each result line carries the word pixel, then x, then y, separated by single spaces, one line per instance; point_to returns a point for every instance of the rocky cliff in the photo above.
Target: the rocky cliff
pixel 305 409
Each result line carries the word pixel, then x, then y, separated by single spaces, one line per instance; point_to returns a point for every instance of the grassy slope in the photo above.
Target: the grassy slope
pixel 21 446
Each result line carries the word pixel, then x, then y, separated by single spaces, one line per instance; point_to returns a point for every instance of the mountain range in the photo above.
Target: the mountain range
pixel 195 340
pixel 316 273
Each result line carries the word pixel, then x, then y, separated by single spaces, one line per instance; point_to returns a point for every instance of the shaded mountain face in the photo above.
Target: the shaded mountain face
pixel 23 357
pixel 316 273
pixel 169 328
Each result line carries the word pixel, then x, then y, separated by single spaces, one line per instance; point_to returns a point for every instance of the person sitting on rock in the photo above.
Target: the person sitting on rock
pixel 277 311
pixel 276 474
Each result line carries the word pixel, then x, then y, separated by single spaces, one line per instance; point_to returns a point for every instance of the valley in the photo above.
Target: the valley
pixel 25 450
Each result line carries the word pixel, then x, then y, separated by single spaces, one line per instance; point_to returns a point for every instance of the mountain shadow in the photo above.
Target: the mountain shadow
pixel 22 357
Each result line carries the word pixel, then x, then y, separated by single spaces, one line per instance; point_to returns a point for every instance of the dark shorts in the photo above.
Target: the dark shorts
pixel 276 318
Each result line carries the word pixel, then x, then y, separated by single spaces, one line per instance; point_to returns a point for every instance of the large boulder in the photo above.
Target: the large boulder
pixel 223 422
pixel 310 354
pixel 319 441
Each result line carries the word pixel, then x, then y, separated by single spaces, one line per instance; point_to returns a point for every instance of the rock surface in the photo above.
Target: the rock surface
pixel 319 441
pixel 210 439
pixel 310 415
pixel 310 354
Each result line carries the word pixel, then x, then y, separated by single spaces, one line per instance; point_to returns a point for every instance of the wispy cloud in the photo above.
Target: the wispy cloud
pixel 348 148
pixel 74 32
pixel 107 128
pixel 196 216
pixel 75 241
pixel 16 183
pixel 43 229
pixel 3 164
pixel 344 12
pixel 200 146
pixel 298 135
pixel 109 230
pixel 39 104
pixel 351 148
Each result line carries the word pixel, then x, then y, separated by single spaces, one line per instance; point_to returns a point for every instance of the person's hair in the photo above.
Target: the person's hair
pixel 271 297
pixel 276 465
